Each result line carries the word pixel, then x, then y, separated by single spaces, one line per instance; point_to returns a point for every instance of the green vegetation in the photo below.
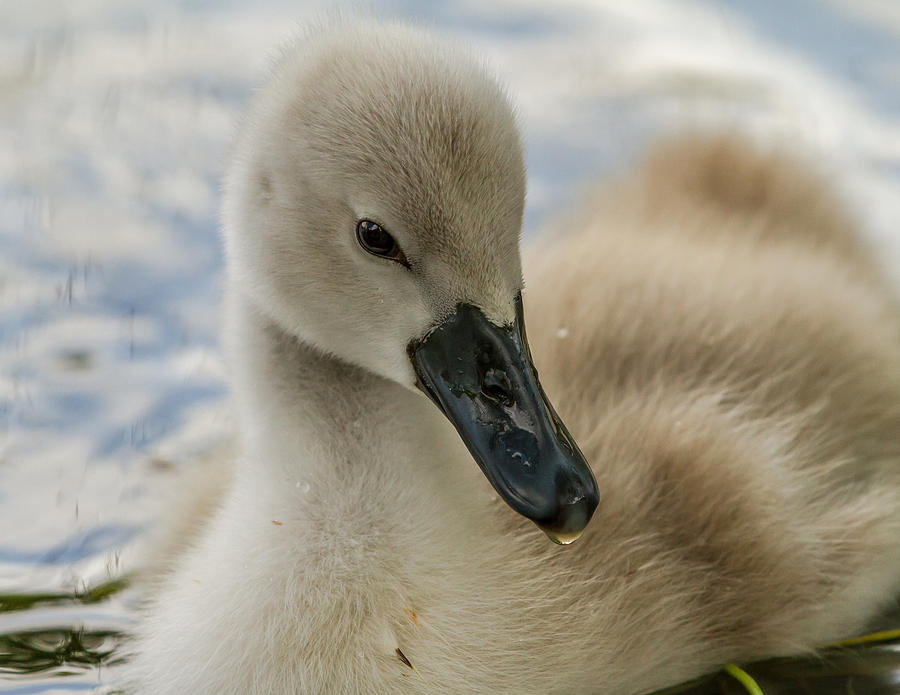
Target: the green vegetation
pixel 20 602
pixel 59 651
pixel 859 667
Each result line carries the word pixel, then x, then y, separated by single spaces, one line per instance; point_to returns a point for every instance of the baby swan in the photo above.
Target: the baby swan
pixel 721 351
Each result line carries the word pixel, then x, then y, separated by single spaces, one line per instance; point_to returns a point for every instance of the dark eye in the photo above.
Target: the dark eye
pixel 374 239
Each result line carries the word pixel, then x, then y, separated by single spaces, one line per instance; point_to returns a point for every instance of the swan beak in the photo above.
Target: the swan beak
pixel 483 379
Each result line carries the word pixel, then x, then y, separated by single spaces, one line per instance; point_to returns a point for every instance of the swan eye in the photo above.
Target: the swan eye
pixel 374 239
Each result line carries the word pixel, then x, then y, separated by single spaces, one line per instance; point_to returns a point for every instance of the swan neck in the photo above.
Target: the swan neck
pixel 301 409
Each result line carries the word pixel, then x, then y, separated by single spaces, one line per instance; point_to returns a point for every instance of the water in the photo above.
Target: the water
pixel 116 119
pixel 55 642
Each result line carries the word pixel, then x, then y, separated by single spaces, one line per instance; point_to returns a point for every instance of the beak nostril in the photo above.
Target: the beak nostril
pixel 495 386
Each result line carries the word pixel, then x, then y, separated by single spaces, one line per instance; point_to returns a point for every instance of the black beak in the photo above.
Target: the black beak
pixel 483 379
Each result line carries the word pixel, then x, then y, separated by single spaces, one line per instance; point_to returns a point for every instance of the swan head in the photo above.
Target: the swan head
pixel 373 210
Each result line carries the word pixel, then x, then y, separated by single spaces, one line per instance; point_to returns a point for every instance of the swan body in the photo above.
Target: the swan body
pixel 712 331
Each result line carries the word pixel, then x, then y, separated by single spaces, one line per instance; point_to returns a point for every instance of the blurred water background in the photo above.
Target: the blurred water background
pixel 115 123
